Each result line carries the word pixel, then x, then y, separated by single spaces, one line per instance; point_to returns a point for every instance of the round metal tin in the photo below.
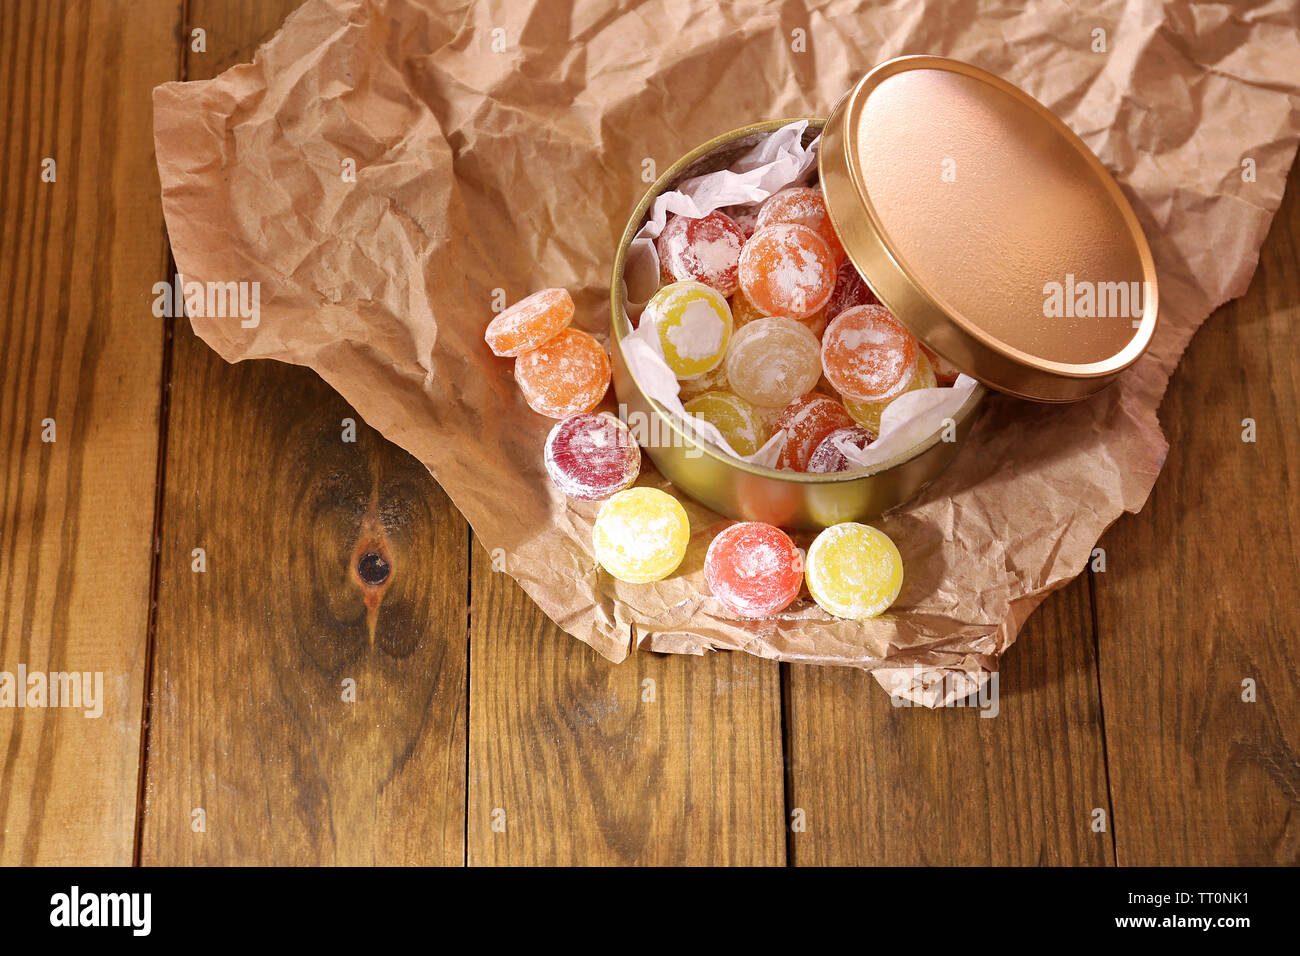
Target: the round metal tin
pixel 988 228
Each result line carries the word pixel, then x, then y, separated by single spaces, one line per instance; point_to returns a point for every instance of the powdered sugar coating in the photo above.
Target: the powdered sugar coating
pixel 530 322
pixel 787 269
pixel 753 569
pixel 854 571
pixel 829 458
pixel 806 421
pixel 850 290
pixel 773 361
pixel 867 355
pixel 804 206
pixel 640 535
pixel 590 457
pixel 703 250
pixel 566 375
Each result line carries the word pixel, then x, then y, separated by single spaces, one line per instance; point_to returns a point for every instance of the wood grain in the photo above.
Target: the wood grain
pixel 79 345
pixel 1202 592
pixel 880 785
pixel 328 562
pixel 574 765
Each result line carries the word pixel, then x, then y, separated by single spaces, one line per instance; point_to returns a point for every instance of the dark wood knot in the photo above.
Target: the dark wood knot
pixel 372 569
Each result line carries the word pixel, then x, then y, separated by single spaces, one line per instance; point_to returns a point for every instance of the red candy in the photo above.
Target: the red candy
pixel 753 569
pixel 867 356
pixel 806 421
pixel 704 250
pixel 850 290
pixel 829 457
pixel 590 457
pixel 945 373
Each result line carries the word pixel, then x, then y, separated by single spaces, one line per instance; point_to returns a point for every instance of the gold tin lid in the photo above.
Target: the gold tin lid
pixel 988 228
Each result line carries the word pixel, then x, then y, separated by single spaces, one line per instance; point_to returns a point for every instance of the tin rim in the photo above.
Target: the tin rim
pixel 621 327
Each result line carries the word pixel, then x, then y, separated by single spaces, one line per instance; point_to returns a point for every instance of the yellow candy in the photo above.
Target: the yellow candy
pixel 708 382
pixel 854 571
pixel 694 325
pixel 641 535
pixel 736 418
pixel 867 414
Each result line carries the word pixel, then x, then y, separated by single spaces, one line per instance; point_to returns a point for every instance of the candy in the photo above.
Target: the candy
pixel 753 569
pixel 829 456
pixel 867 414
pixel 787 269
pixel 566 375
pixel 734 417
pixel 850 290
pixel 693 322
pixel 945 372
pixel 854 571
pixel 806 421
pixel 867 355
pixel 590 457
pixel 529 322
pixel 641 535
pixel 704 250
pixel 743 216
pixel 772 361
pixel 803 206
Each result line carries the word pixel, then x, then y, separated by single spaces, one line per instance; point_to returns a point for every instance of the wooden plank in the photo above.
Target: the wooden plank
pixel 879 785
pixel 1202 592
pixel 79 345
pixel 249 722
pixel 570 763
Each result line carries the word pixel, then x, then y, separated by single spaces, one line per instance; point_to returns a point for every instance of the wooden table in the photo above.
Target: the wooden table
pixel 479 732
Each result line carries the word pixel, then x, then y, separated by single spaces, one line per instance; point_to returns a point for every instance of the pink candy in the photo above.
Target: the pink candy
pixel 590 457
pixel 829 457
pixel 753 569
pixel 704 250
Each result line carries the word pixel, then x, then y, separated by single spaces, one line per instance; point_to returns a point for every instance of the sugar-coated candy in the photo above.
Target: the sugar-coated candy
pixel 945 373
pixel 693 323
pixel 787 269
pixel 590 457
pixel 567 374
pixel 641 535
pixel 829 457
pixel 854 571
pixel 773 361
pixel 850 290
pixel 530 322
pixel 806 421
pixel 803 206
pixel 744 217
pixel 753 569
pixel 703 250
pixel 867 414
pixel 730 414
pixel 867 355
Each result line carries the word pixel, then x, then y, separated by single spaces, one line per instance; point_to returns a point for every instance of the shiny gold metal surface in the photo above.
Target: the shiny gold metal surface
pixel 988 228
pixel 734 488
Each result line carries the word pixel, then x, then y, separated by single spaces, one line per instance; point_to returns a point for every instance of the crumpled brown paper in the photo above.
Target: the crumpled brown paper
pixel 502 145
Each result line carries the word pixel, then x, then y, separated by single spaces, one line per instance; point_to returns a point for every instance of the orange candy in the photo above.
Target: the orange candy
pixel 530 322
pixel 567 375
pixel 806 421
pixel 866 355
pixel 803 206
pixel 787 269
